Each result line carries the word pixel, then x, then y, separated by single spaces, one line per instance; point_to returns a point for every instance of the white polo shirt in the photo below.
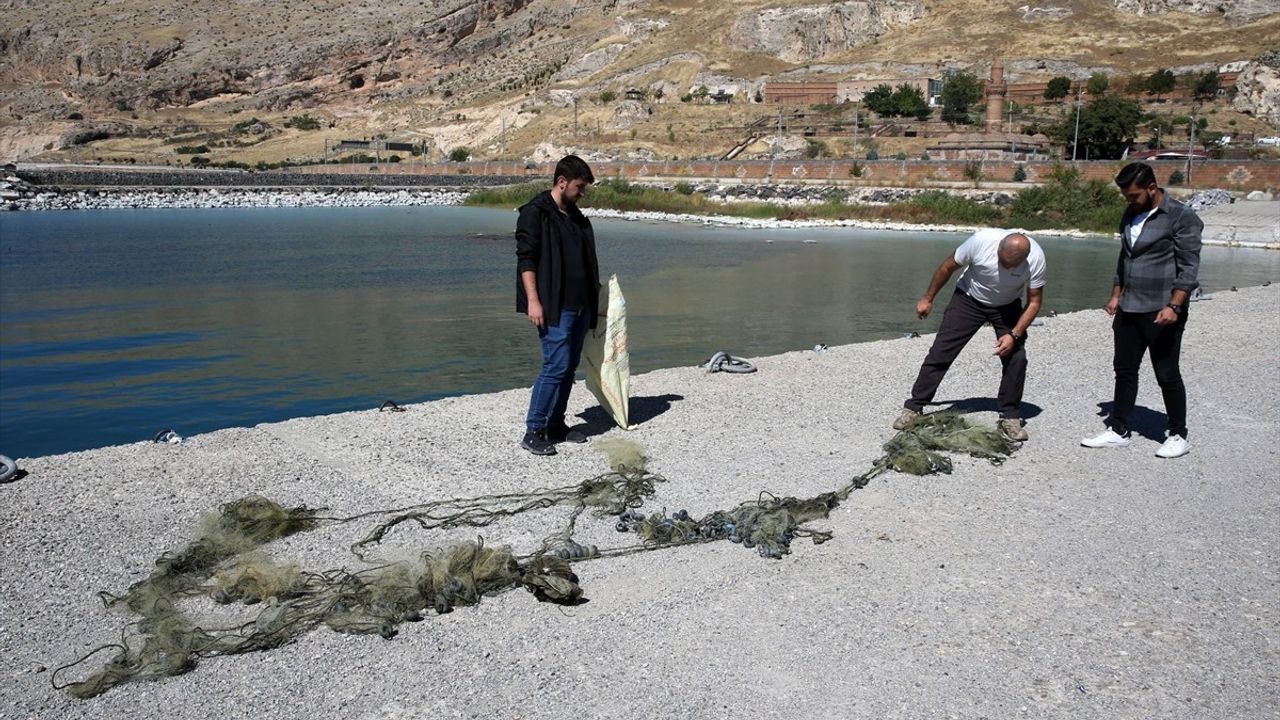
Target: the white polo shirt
pixel 985 280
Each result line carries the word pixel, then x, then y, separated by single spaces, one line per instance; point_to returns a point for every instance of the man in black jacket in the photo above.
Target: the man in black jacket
pixel 558 287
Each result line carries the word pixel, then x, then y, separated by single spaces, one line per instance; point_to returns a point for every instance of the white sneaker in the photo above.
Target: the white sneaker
pixel 1174 446
pixel 1106 439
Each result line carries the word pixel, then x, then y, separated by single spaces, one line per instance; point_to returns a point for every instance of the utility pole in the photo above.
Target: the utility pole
pixel 855 129
pixel 778 145
pixel 1191 146
pixel 1076 142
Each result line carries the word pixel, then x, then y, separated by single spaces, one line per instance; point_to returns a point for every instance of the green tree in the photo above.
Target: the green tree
pixel 960 91
pixel 1108 125
pixel 879 100
pixel 1160 82
pixel 1057 88
pixel 1098 84
pixel 1136 84
pixel 908 101
pixel 1206 86
pixel 459 154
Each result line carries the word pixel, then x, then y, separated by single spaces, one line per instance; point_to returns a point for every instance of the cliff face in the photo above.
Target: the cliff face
pixel 469 71
pixel 1258 87
pixel 1239 11
pixel 152 57
pixel 803 34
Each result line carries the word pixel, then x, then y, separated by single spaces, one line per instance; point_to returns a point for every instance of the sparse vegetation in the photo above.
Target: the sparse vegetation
pixel 1063 202
pixel 816 149
pixel 303 122
pixel 973 172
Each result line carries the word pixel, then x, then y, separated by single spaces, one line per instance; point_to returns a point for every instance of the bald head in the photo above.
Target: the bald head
pixel 1014 249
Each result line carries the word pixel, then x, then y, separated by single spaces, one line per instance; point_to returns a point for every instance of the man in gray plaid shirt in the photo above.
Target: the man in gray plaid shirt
pixel 1155 275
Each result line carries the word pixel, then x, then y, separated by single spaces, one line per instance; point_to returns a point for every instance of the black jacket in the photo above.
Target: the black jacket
pixel 540 249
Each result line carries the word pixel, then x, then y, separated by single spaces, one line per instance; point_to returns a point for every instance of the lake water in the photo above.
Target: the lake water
pixel 116 324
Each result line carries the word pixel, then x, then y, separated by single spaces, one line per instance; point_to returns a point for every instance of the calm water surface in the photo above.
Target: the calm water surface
pixel 115 324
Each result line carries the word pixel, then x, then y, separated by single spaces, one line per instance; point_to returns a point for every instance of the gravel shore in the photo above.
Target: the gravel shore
pixel 1065 583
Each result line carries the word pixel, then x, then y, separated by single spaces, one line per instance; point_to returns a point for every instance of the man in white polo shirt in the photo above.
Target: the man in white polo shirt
pixel 1001 267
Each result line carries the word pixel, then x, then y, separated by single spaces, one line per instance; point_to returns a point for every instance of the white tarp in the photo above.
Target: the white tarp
pixel 606 358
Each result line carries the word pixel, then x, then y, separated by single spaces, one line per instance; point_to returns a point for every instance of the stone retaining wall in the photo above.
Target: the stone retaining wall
pixel 1238 175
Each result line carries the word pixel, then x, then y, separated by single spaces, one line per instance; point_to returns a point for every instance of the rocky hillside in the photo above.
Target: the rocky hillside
pixel 502 76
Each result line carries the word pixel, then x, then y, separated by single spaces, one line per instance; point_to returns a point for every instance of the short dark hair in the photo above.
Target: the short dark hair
pixel 1138 173
pixel 572 167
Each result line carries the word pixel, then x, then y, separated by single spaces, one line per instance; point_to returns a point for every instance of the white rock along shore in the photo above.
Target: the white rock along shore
pixel 1064 583
pixel 236 198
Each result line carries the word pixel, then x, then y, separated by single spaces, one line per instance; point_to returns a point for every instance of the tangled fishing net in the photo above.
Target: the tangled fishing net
pixel 226 565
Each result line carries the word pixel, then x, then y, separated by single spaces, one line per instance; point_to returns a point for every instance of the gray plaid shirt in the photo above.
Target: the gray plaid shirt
pixel 1164 257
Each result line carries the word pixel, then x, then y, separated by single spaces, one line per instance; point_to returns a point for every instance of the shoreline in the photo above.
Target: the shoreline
pixel 1229 231
pixel 977 593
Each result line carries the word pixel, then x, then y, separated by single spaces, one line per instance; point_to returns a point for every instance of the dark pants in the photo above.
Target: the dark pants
pixel 561 350
pixel 963 317
pixel 1135 335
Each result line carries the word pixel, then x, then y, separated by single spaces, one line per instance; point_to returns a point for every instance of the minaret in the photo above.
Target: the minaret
pixel 996 91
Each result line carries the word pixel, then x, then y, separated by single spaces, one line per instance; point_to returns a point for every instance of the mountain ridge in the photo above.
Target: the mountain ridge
pixel 506 75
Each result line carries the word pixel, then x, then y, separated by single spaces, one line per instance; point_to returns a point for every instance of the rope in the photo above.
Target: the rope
pixel 724 362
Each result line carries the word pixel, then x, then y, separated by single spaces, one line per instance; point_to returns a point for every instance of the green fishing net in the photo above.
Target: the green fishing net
pixel 225 564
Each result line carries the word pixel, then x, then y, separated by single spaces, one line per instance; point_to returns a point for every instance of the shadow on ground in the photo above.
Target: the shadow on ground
pixel 643 409
pixel 985 404
pixel 1144 421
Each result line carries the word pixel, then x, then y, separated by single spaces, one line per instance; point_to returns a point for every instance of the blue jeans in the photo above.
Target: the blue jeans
pixel 561 350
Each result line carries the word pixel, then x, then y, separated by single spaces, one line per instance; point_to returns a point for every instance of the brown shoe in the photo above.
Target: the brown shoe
pixel 906 419
pixel 1012 429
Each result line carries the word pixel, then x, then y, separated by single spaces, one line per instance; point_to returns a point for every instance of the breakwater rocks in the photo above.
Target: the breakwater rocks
pixel 811 194
pixel 16 194
pixel 390 176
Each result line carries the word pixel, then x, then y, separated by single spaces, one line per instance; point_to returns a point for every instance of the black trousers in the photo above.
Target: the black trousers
pixel 963 317
pixel 1135 335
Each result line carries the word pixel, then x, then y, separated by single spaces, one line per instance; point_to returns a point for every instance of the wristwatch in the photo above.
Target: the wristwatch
pixel 1176 308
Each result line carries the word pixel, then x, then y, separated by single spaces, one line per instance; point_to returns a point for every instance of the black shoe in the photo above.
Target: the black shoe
pixel 564 433
pixel 536 442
